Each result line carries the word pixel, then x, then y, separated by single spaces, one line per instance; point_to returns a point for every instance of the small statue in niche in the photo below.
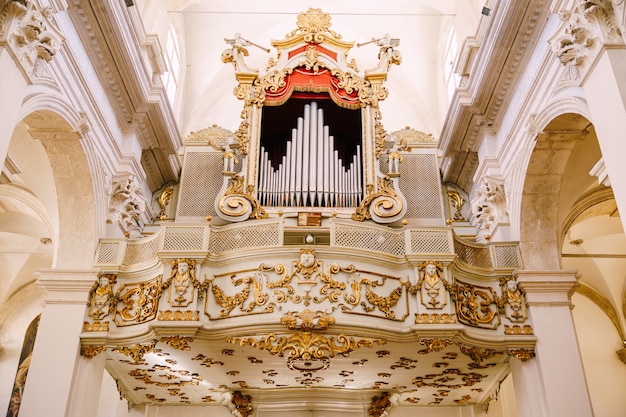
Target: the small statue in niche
pixel 430 283
pixel 101 297
pixel 181 282
pixel 395 159
pixel 515 305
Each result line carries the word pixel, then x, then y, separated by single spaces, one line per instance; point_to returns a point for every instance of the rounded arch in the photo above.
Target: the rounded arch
pixel 556 131
pixel 57 126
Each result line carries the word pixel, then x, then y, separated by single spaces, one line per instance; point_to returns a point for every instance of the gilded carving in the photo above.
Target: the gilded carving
pixel 314 25
pixel 374 301
pixel 476 305
pixel 457 203
pixel 430 285
pixel 213 136
pixel 239 204
pixel 101 299
pixel 518 330
pixel 163 200
pixel 514 304
pixel 385 204
pixel 90 351
pixel 449 379
pixel 96 326
pixel 178 342
pixel 241 404
pixel 135 352
pixel 140 302
pixel 306 345
pixel 522 354
pixel 380 405
pixel 306 320
pixel 426 318
pixel 434 345
pixel 229 302
pixel 178 315
pixel 478 355
pixel 181 282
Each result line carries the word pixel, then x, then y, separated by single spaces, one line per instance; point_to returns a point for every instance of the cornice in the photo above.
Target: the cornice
pixel 113 38
pixel 493 74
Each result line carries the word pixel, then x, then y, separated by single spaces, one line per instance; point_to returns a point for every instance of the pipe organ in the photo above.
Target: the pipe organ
pixel 311 172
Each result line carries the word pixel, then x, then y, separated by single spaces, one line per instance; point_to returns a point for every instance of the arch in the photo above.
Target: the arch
pixel 57 126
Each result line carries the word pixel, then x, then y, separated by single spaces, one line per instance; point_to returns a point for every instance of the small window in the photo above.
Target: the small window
pixel 172 57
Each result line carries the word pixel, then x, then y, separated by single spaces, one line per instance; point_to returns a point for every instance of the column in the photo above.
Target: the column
pixel 605 91
pixel 552 384
pixel 13 86
pixel 58 375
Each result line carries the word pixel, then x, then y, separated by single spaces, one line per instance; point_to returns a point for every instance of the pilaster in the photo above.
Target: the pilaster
pixel 557 387
pixel 56 364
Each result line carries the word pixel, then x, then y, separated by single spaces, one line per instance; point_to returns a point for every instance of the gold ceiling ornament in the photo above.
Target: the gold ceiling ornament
pixel 380 405
pixel 305 320
pixel 478 355
pixel 305 345
pixel 90 351
pixel 241 404
pixel 178 342
pixel 434 345
pixel 522 354
pixel 137 351
pixel 236 202
pixel 448 380
pixel 385 203
pixel 313 24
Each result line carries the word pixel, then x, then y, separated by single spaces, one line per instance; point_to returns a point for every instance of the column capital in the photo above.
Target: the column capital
pixel 551 288
pixel 66 286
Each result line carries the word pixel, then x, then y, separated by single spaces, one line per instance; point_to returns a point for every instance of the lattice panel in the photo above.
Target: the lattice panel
pixel 252 236
pixel 201 180
pixel 108 252
pixel 421 186
pixel 137 253
pixel 184 238
pixel 507 256
pixel 430 241
pixel 479 257
pixel 351 236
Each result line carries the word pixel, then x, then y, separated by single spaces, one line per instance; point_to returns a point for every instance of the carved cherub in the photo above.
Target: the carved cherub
pixel 181 282
pixel 101 297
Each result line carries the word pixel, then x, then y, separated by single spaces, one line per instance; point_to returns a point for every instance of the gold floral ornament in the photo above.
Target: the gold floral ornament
pixel 136 352
pixel 313 24
pixel 140 302
pixel 522 354
pixel 230 302
pixel 237 204
pixel 90 351
pixel 178 342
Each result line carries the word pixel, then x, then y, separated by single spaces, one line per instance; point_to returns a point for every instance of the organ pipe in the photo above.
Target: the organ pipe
pixel 311 172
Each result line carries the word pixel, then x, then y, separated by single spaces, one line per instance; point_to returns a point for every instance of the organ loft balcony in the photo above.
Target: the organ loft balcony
pixel 310 253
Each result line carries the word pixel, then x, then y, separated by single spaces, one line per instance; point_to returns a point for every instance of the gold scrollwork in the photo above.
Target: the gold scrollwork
pixel 478 355
pixel 96 326
pixel 178 315
pixel 385 203
pixel 383 304
pixel 163 200
pixel 229 302
pixel 518 330
pixel 305 320
pixel 242 404
pixel 434 345
pixel 522 354
pixel 140 302
pixel 426 318
pixel 476 306
pixel 313 24
pixel 306 345
pixel 457 202
pixel 137 351
pixel 237 203
pixel 380 405
pixel 90 351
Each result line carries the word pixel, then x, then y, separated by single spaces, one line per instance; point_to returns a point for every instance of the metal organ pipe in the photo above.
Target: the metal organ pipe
pixel 311 172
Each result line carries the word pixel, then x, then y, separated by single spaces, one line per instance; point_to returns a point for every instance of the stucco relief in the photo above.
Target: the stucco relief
pixel 127 207
pixel 29 33
pixel 489 208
